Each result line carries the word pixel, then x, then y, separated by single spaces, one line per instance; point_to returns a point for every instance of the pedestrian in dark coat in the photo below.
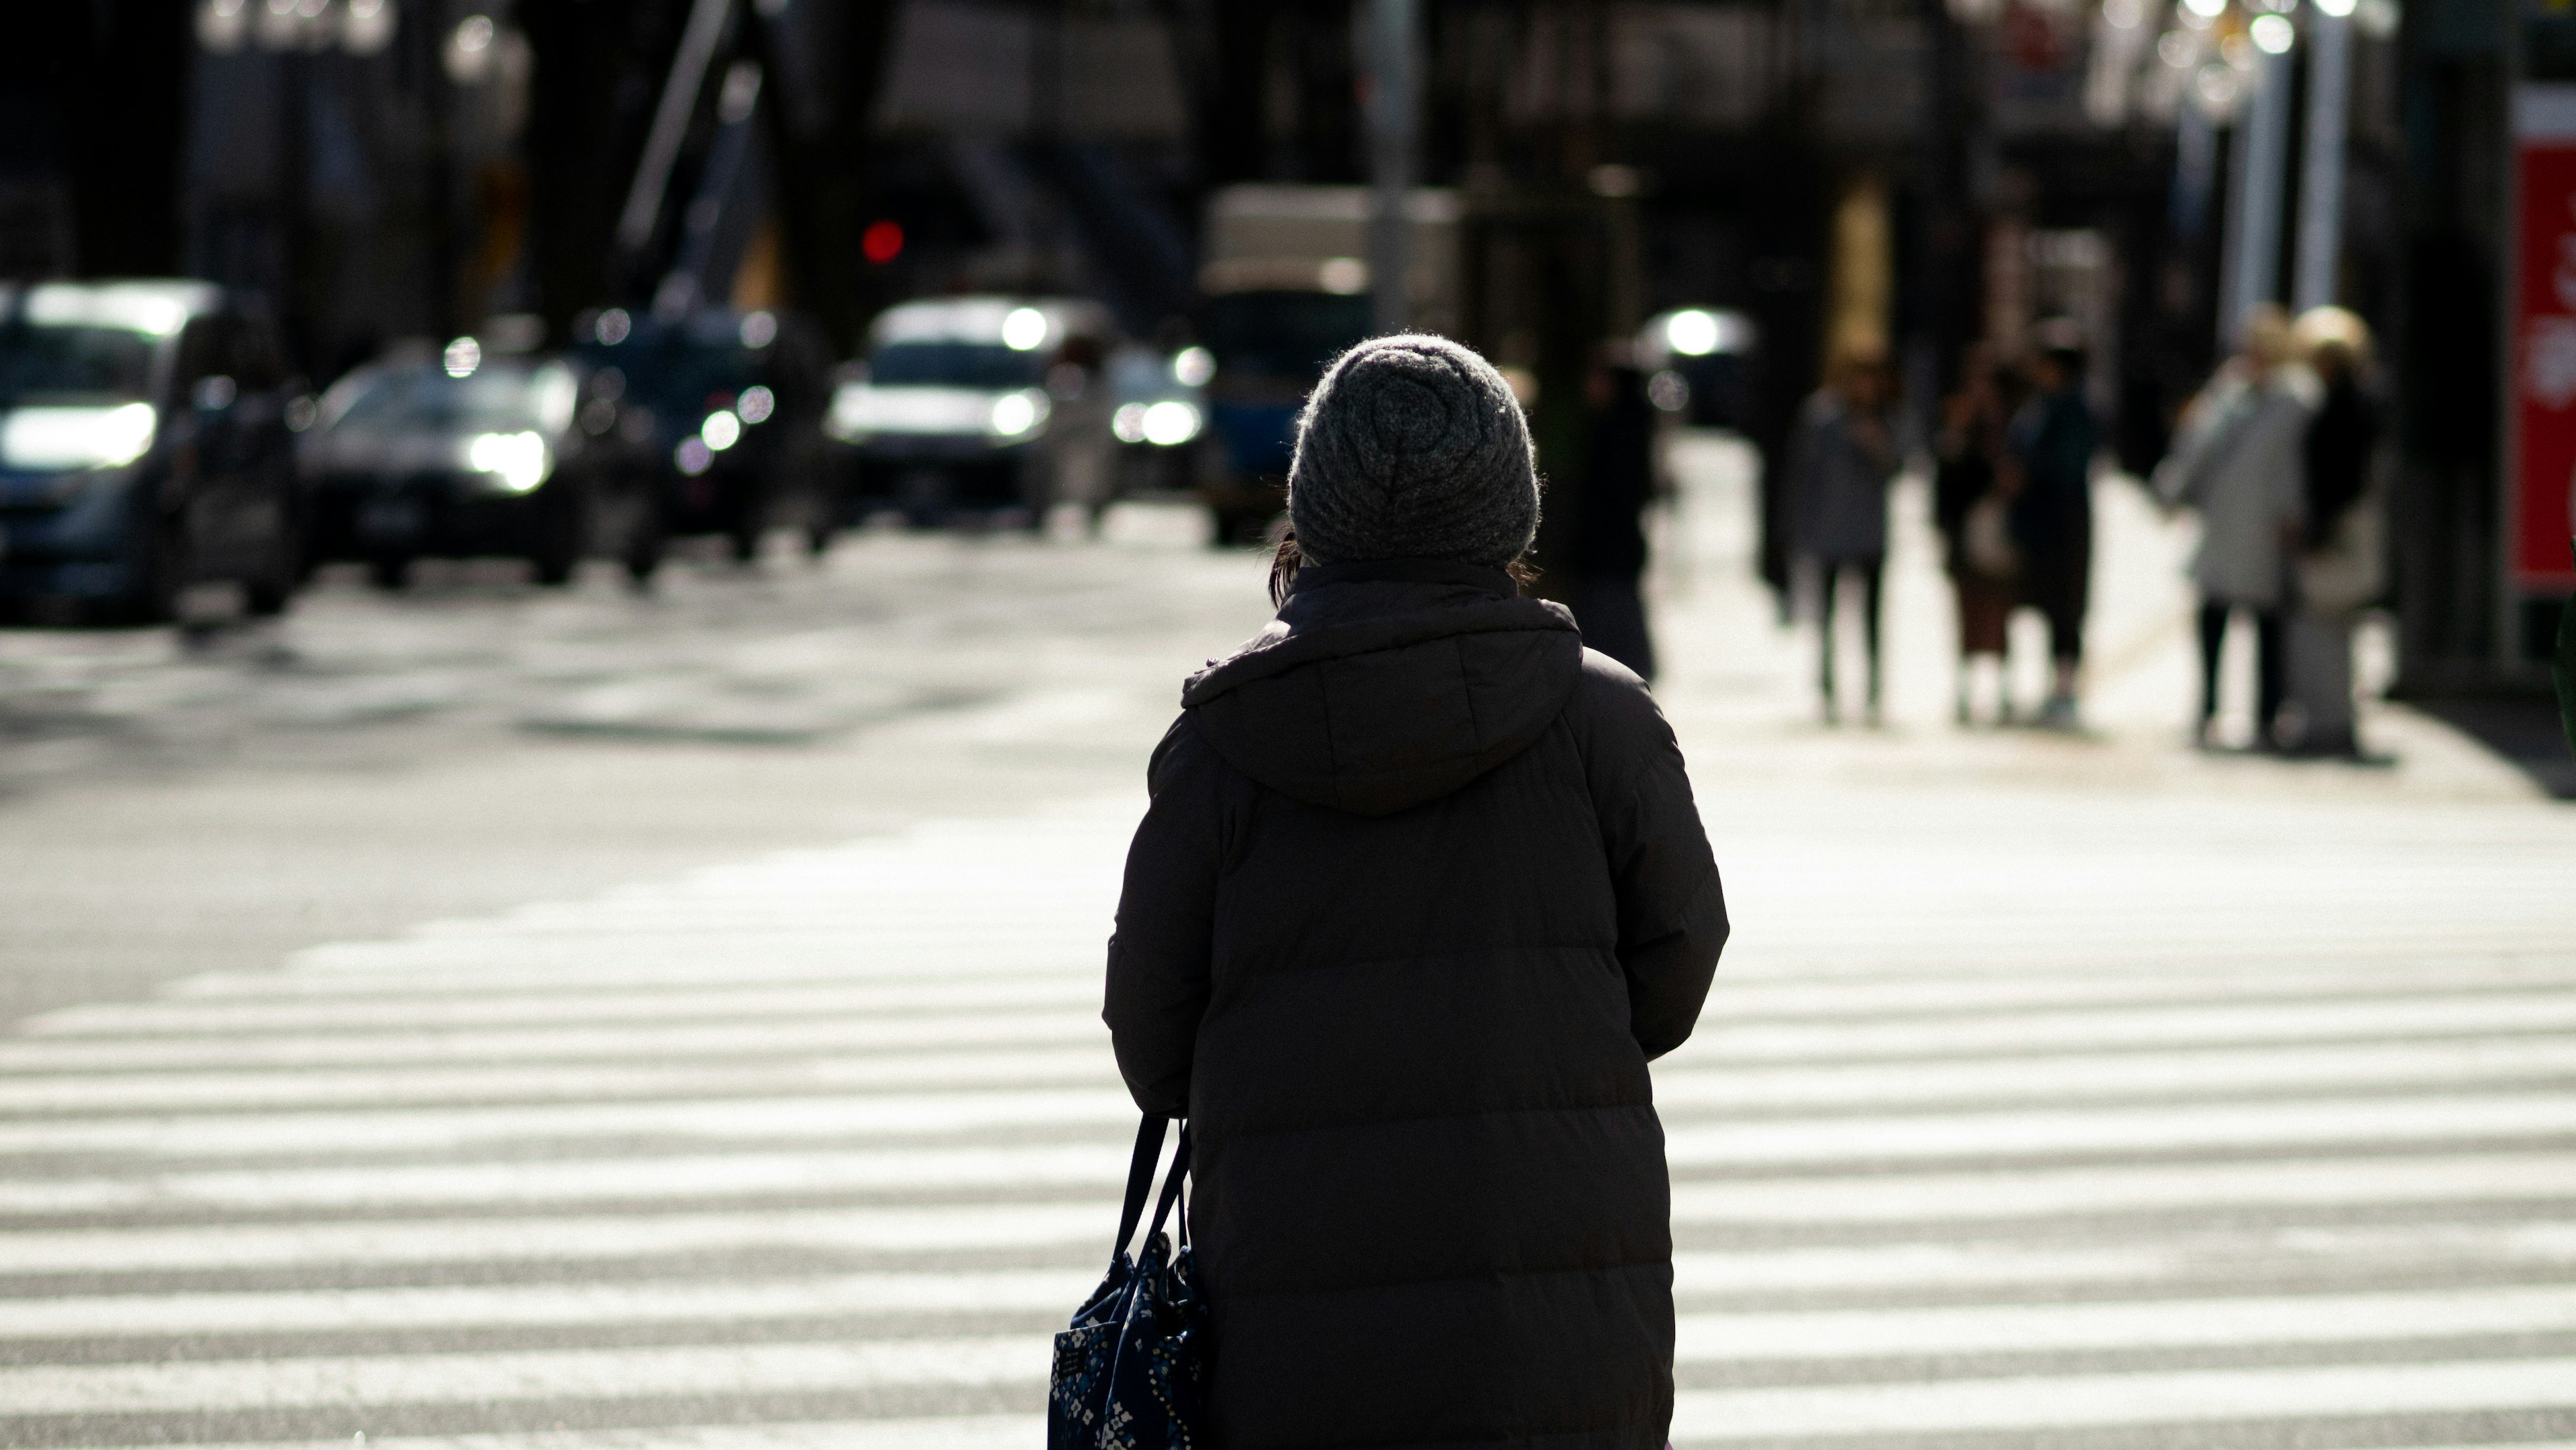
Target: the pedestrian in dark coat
pixel 1605 550
pixel 1420 892
pixel 2051 443
pixel 1968 506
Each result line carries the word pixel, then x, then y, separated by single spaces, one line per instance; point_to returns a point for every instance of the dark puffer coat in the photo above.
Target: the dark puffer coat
pixel 1420 891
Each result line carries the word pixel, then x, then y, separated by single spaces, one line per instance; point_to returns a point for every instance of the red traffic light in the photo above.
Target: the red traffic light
pixel 882 242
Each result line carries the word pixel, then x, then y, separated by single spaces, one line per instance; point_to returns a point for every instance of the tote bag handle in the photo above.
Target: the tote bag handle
pixel 1140 1182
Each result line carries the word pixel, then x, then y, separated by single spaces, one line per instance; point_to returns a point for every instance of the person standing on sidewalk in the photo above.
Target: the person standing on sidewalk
pixel 1974 518
pixel 2338 569
pixel 1420 891
pixel 2048 475
pixel 1606 547
pixel 2240 459
pixel 1842 458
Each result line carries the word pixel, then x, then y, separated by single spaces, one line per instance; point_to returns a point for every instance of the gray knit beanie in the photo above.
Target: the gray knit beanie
pixel 1412 448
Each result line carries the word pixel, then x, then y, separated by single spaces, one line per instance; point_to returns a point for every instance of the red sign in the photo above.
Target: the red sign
pixel 2541 513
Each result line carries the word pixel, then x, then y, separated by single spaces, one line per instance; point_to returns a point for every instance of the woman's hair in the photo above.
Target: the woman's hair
pixel 1285 561
pixel 2333 337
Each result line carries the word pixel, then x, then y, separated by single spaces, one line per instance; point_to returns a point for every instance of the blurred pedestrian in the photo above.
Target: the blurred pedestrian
pixel 2338 570
pixel 1842 457
pixel 1606 545
pixel 1420 891
pixel 2048 474
pixel 1975 521
pixel 2240 459
pixel 1080 455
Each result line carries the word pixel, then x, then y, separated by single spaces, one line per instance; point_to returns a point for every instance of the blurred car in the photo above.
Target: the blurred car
pixel 978 404
pixel 724 411
pixel 1701 364
pixel 1158 414
pixel 145 446
pixel 458 455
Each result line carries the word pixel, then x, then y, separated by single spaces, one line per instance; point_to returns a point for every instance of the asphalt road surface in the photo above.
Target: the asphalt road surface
pixel 674 1022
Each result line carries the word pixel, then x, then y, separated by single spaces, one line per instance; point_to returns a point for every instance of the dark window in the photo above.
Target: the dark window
pixel 1284 334
pixel 72 364
pixel 954 365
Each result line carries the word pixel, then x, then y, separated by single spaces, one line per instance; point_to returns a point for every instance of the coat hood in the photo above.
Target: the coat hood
pixel 1385 685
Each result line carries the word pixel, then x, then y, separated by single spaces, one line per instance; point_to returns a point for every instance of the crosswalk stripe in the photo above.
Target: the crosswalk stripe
pixel 1020 1360
pixel 379 1381
pixel 2455 1062
pixel 2069 1402
pixel 1891 1198
pixel 2517 1013
pixel 822 966
pixel 1868 1199
pixel 1718 1040
pixel 1051 1292
pixel 558 1181
pixel 1680 1090
pixel 2160 1127
pixel 2318 1123
pixel 420 1130
pixel 1883 1332
pixel 1697 1277
pixel 753 1040
pixel 1098 1165
pixel 974 994
pixel 961 1432
pixel 564 1238
pixel 2138 1027
pixel 964 1432
pixel 319 1087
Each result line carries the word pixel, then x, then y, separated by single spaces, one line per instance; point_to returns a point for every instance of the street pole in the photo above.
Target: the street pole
pixel 1391 107
pixel 2254 232
pixel 2321 173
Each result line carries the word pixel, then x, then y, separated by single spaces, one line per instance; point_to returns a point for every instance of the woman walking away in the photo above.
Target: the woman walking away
pixel 2339 557
pixel 2239 459
pixel 2049 478
pixel 1979 554
pixel 1420 891
pixel 1841 460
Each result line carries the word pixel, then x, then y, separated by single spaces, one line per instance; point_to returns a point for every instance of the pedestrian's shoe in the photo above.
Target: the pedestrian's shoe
pixel 2058 713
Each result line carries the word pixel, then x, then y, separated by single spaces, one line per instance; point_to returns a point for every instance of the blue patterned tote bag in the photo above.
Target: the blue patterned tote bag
pixel 1128 1371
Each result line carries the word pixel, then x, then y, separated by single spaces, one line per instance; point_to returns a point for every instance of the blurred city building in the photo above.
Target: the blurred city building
pixel 1913 175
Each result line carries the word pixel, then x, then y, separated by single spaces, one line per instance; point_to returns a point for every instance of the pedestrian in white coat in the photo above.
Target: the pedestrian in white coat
pixel 2238 460
pixel 2339 565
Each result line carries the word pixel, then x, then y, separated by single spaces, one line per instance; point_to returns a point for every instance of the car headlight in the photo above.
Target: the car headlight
pixel 1016 415
pixel 43 439
pixel 1170 422
pixel 722 430
pixel 518 462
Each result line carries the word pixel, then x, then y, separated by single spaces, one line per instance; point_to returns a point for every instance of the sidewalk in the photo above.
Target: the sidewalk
pixel 1746 684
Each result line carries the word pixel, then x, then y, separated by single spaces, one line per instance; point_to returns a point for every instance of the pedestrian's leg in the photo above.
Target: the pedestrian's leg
pixel 2272 673
pixel 2213 638
pixel 1873 573
pixel 1828 576
pixel 2065 652
pixel 1967 646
